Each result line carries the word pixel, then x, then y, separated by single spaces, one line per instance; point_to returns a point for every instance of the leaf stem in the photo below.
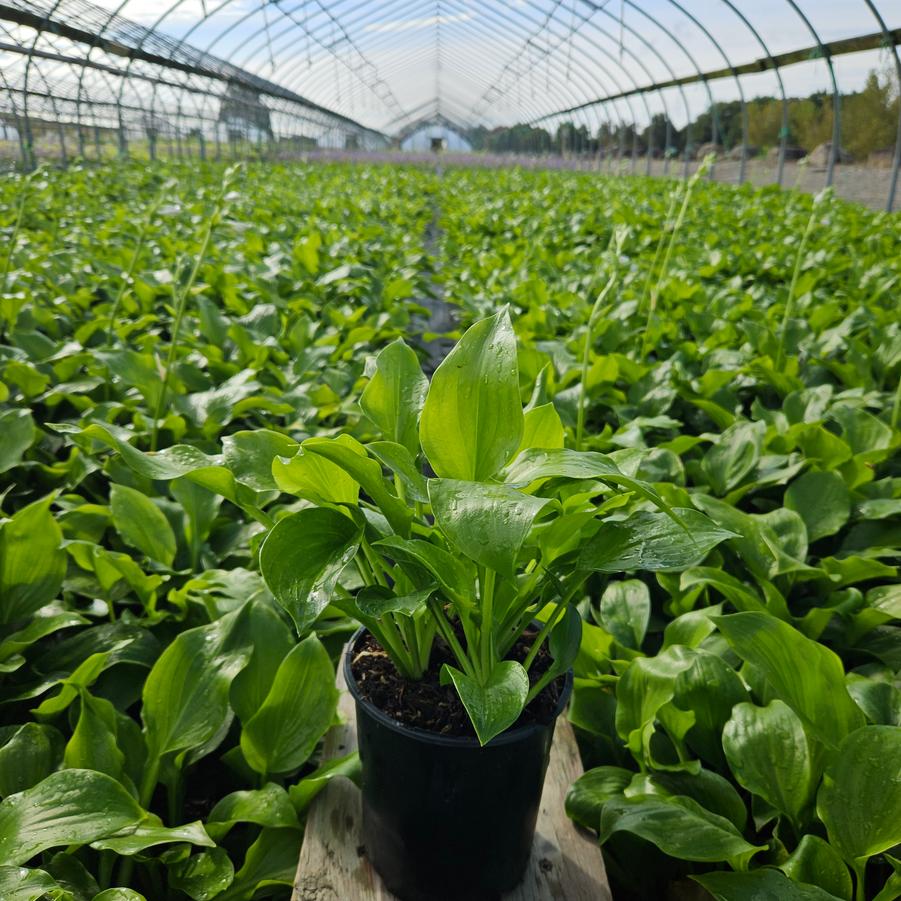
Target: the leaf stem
pixel 544 632
pixel 488 582
pixel 447 632
pixel 860 872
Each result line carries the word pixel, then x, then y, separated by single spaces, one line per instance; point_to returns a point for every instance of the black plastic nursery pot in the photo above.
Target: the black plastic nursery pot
pixel 443 818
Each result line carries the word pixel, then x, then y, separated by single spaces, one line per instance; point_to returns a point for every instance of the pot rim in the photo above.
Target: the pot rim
pixel 509 736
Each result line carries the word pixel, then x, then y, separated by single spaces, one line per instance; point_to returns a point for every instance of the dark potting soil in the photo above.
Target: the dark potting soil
pixel 427 704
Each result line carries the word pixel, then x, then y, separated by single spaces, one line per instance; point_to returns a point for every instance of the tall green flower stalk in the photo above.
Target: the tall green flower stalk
pixel 796 273
pixel 127 275
pixel 617 242
pixel 702 170
pixel 17 227
pixel 182 294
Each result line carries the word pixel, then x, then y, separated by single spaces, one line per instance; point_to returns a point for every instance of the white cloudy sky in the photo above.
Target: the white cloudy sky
pixel 381 62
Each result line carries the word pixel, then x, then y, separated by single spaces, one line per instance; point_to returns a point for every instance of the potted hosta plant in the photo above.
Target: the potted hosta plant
pixel 461 539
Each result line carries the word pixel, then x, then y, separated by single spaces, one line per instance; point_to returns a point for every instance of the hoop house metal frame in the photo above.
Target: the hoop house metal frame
pixel 79 79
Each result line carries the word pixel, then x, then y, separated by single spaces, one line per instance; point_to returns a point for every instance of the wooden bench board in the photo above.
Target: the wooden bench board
pixel 566 864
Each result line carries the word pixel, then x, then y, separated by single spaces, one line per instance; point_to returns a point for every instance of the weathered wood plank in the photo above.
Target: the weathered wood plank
pixel 566 864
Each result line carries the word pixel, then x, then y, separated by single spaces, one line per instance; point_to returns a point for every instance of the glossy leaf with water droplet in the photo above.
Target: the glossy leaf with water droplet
pixel 472 421
pixel 860 798
pixel 495 705
pixel 71 807
pixel 303 557
pixel 487 523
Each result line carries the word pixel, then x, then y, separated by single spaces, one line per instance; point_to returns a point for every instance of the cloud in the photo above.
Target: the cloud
pixel 417 24
pixel 188 12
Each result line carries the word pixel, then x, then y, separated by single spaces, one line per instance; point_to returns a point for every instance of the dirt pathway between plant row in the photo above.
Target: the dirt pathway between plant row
pixel 441 318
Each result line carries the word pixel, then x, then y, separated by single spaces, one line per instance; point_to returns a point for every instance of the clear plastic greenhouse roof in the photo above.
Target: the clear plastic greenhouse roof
pixel 366 74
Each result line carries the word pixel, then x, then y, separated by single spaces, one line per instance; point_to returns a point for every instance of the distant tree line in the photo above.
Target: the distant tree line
pixel 869 122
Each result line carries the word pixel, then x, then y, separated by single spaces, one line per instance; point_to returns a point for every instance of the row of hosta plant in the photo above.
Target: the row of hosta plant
pixel 741 719
pixel 247 330
pixel 160 713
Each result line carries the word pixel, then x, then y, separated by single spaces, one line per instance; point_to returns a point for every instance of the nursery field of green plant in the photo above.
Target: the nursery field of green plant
pixel 705 381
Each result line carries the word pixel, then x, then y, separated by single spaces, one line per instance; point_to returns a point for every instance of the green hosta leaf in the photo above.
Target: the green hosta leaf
pixel 453 573
pixel 823 501
pixel 302 558
pixel 488 523
pixel 271 639
pixel 142 524
pixel 803 673
pixel 535 464
pixel 151 832
pixel 399 460
pixel 139 370
pixel 709 789
pixel 31 754
pixel 351 456
pixel 39 627
pixel 737 593
pixel 495 706
pixel 93 744
pixel 297 711
pixel 180 460
pixel 306 250
pixel 250 456
pixel 200 506
pixel 816 862
pixel 760 885
pixel 651 541
pixel 680 827
pixel 624 611
pixel 270 860
pixel 880 701
pixel 757 542
pixel 860 798
pixel 867 436
pixel 734 455
pixel 648 684
pixel 71 874
pixel 315 478
pixel 186 694
pixel 71 807
pixel 472 421
pixel 690 629
pixel 18 431
pixel 32 565
pixel 21 884
pixel 376 601
pixel 394 397
pixel 119 894
pixel 303 793
pixel 565 641
pixel 85 674
pixel 588 794
pixel 768 752
pixel 709 689
pixel 267 806
pixel 542 428
pixel 202 876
